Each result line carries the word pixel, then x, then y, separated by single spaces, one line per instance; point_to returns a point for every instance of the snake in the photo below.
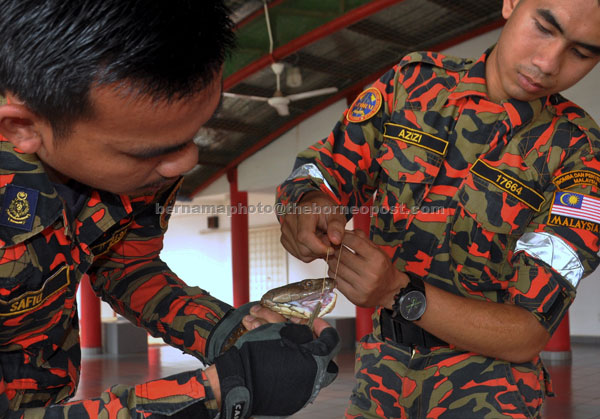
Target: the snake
pixel 305 299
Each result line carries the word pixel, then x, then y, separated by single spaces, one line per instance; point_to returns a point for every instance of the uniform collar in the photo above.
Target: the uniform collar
pixel 473 83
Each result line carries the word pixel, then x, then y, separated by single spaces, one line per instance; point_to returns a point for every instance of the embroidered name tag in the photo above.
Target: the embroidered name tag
pixel 509 184
pixel 104 246
pixel 34 299
pixel 416 137
pixel 18 208
pixel 575 210
pixel 366 105
pixel 577 177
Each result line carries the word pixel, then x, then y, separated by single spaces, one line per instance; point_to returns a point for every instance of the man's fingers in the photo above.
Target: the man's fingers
pixel 319 325
pixel 306 235
pixel 326 344
pixel 360 233
pixel 335 228
pixel 292 245
pixel 251 322
pixel 358 243
pixel 260 315
pixel 266 314
pixel 294 249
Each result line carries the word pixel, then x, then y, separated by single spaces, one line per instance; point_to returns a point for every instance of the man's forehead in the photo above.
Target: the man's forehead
pixel 577 20
pixel 144 127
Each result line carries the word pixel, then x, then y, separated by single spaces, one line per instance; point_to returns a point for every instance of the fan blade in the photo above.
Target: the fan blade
pixel 248 97
pixel 282 110
pixel 312 93
pixel 280 104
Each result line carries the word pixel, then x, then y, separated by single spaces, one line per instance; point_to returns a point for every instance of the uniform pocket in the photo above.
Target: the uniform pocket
pixel 499 202
pixel 407 172
pixel 32 313
pixel 488 222
pixel 528 394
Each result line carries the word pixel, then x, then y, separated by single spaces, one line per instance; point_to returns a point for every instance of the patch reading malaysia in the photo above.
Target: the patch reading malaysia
pixel 415 137
pixel 576 211
pixel 18 209
pixel 509 184
pixel 365 106
pixel 33 299
pixel 577 177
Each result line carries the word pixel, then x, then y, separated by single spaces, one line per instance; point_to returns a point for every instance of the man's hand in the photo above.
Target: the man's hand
pixel 365 274
pixel 275 370
pixel 308 236
pixel 260 315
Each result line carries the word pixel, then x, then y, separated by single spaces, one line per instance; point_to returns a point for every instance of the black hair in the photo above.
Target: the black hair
pixel 53 51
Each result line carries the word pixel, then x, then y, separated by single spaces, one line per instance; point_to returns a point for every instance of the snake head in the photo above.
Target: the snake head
pixel 299 299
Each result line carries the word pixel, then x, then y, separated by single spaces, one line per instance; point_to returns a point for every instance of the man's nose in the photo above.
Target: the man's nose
pixel 548 58
pixel 184 160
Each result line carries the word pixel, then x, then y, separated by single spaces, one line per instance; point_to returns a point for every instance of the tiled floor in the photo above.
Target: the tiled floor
pixel 576 384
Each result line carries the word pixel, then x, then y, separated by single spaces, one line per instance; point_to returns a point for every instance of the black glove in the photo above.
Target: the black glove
pixel 276 370
pixel 223 335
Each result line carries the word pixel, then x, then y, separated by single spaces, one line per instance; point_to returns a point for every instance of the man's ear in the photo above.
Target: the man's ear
pixel 20 126
pixel 508 6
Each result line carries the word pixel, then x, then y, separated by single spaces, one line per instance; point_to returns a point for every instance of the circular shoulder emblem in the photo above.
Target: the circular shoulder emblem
pixel 365 106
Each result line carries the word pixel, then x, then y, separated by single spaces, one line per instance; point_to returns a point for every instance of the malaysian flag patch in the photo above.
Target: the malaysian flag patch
pixel 576 211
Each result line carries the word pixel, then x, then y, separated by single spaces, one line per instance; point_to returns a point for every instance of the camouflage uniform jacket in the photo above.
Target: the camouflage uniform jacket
pixel 481 199
pixel 44 253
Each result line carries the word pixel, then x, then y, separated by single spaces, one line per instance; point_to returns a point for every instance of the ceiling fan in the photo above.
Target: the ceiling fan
pixel 278 100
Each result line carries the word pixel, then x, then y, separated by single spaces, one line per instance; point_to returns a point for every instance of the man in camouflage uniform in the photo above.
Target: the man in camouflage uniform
pixel 102 100
pixel 486 207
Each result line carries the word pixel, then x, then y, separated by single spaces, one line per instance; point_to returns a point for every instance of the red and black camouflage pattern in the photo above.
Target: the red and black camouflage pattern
pixel 458 180
pixel 44 253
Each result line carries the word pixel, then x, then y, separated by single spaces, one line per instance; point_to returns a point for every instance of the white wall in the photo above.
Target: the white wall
pixel 204 259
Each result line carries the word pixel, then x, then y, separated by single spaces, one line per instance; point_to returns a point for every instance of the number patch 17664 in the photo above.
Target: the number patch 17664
pixel 509 185
pixel 514 187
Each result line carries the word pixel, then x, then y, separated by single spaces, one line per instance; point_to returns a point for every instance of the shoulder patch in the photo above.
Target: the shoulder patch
pixel 577 177
pixel 18 209
pixel 365 106
pixel 575 210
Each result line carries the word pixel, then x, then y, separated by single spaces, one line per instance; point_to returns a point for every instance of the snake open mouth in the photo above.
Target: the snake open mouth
pixel 303 308
pixel 300 299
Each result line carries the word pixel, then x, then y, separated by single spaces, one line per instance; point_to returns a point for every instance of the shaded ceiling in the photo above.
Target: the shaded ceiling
pixel 334 43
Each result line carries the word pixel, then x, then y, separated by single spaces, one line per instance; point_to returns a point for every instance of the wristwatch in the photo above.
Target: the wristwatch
pixel 410 303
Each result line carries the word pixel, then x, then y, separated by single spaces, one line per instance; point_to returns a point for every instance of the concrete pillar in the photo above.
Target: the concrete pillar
pixel 558 347
pixel 240 258
pixel 89 319
pixel 364 324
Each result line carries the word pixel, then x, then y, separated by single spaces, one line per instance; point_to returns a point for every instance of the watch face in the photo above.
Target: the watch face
pixel 413 305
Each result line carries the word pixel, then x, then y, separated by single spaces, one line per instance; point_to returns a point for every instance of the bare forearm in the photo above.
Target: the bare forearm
pixel 213 379
pixel 496 330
